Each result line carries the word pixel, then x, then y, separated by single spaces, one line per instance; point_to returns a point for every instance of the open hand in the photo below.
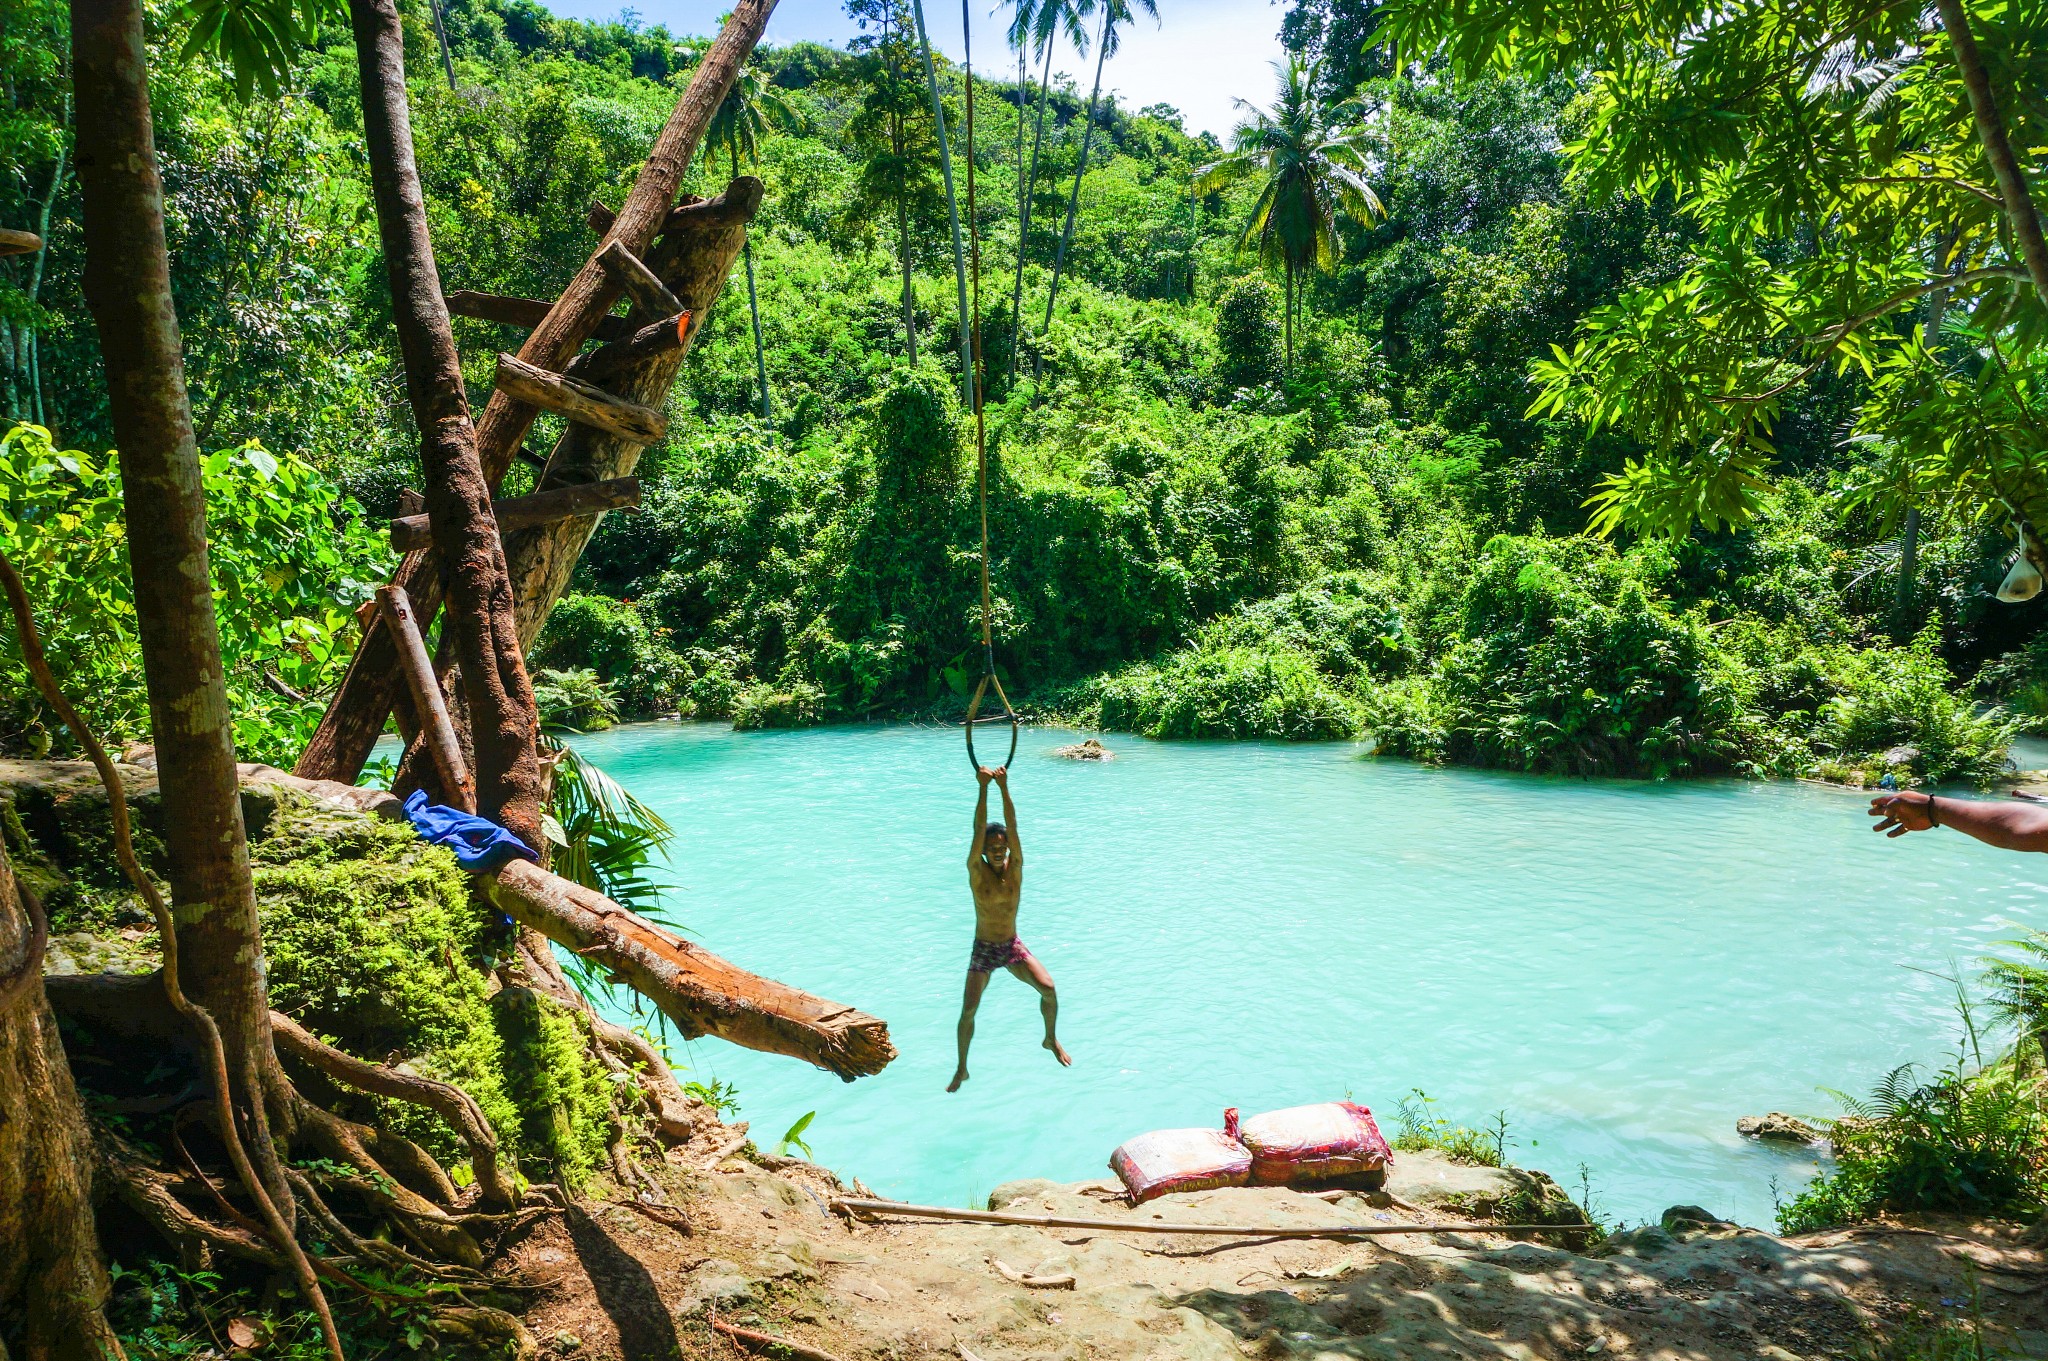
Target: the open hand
pixel 1899 814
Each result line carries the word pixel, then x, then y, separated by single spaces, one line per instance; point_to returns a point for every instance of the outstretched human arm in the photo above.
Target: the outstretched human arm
pixel 980 817
pixel 1001 775
pixel 2008 826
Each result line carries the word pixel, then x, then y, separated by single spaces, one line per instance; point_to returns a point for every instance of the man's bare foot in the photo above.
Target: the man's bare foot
pixel 958 1078
pixel 1059 1052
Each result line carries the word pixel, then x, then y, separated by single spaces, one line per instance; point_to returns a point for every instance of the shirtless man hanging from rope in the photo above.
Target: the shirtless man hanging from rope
pixel 995 871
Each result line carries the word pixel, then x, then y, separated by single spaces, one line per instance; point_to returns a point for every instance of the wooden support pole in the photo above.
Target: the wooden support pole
pixel 670 333
pixel 435 725
pixel 519 512
pixel 579 401
pixel 633 275
pixel 599 218
pixel 522 312
pixel 701 993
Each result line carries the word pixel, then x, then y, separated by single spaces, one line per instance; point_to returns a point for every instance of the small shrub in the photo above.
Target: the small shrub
pixel 797 705
pixel 1963 1143
pixel 1226 692
pixel 1248 341
pixel 612 638
pixel 577 700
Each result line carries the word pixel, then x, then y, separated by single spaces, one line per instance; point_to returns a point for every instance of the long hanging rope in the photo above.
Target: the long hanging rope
pixel 978 388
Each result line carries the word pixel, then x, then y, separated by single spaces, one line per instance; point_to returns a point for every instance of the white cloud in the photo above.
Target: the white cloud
pixel 1200 55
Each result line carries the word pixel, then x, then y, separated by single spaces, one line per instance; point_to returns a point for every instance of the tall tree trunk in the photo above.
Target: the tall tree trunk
pixel 499 697
pixel 1909 538
pixel 909 304
pixel 441 37
pixel 128 287
pixel 51 1275
pixel 1074 199
pixel 2020 210
pixel 1287 305
pixel 931 76
pixel 1030 182
pixel 753 310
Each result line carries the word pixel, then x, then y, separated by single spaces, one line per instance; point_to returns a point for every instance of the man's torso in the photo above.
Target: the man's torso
pixel 995 900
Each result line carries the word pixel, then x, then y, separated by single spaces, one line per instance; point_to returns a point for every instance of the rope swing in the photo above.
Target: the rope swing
pixel 971 336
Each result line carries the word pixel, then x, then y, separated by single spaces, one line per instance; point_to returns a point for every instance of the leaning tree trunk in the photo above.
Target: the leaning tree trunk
pixel 1059 259
pixel 128 288
pixel 498 695
pixel 51 1276
pixel 2020 211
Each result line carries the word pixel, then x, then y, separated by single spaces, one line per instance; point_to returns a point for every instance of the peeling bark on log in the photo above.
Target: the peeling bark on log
pixel 14 241
pixel 701 993
pixel 580 401
pixel 523 512
pixel 525 313
pixel 695 261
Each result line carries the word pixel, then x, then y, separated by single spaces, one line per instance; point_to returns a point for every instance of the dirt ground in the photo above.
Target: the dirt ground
pixel 766 1252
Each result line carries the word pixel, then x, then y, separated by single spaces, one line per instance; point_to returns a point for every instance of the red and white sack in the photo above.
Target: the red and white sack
pixel 1168 1160
pixel 1313 1143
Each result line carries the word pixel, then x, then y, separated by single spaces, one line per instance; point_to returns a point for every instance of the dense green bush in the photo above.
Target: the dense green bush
pixel 1225 692
pixel 611 637
pixel 1961 1143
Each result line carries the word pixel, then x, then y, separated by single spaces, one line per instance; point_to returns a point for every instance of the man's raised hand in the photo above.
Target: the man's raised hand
pixel 1001 775
pixel 1899 814
pixel 984 774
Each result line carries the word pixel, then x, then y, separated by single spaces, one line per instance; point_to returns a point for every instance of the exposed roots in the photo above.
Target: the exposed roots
pixel 451 1103
pixel 279 1228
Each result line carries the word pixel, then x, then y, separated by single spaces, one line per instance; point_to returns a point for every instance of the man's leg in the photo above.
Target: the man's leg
pixel 976 984
pixel 1031 971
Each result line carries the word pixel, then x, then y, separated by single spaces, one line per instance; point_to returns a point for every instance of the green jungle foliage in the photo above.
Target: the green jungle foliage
pixel 1198 529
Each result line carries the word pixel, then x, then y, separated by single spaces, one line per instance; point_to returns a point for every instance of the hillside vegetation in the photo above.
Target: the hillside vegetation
pixel 1199 529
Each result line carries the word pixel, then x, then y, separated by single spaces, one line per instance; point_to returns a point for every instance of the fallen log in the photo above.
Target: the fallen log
pixel 14 241
pixel 701 993
pixel 409 532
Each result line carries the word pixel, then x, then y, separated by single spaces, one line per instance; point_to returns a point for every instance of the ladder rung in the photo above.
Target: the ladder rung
pixel 580 402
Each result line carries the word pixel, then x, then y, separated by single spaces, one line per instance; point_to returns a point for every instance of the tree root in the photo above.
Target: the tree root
pixel 279 1227
pixel 451 1103
pixel 17 980
pixel 430 1227
pixel 768 1342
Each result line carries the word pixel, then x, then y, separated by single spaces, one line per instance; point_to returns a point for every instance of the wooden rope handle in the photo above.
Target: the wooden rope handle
pixel 974 709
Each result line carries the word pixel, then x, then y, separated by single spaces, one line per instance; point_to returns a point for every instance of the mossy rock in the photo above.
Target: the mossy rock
pixel 375 941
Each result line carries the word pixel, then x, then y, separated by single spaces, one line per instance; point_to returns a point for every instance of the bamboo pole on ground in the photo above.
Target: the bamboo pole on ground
pixel 852 1205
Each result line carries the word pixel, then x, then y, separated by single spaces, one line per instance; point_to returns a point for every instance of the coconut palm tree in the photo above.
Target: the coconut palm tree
pixel 744 116
pixel 1310 159
pixel 1115 14
pixel 1038 23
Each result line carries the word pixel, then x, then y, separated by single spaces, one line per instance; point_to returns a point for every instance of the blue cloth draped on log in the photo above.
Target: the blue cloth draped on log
pixel 480 845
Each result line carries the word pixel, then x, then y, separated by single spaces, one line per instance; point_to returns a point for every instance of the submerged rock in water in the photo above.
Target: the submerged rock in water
pixel 1090 750
pixel 1778 1128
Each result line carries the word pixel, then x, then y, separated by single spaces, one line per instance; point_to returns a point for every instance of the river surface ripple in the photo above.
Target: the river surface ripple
pixel 1623 968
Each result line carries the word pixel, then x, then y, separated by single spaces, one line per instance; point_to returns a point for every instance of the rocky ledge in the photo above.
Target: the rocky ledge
pixel 768 1254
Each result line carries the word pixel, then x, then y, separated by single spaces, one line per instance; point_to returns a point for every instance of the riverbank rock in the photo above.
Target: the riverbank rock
pixel 1779 1128
pixel 1090 750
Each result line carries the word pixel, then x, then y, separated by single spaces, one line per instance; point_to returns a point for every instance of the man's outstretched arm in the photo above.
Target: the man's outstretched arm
pixel 2011 826
pixel 1001 775
pixel 981 818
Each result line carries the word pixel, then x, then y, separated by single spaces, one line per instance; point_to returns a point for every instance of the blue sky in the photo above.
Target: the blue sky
pixel 1200 55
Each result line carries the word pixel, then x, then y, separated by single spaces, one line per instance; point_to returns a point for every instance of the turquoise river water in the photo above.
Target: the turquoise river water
pixel 1622 968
